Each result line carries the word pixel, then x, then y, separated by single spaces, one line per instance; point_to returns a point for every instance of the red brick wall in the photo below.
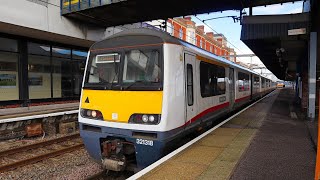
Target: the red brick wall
pixel 176 28
pixel 184 35
pixel 203 42
pixel 208 44
pixel 198 40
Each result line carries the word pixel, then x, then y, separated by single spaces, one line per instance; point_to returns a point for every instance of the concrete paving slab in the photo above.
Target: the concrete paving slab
pixel 216 141
pixel 203 155
pixel 219 170
pixel 240 121
pixel 177 170
pixel 231 154
pixel 226 131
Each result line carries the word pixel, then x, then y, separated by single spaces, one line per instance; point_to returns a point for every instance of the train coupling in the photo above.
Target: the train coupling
pixel 113 157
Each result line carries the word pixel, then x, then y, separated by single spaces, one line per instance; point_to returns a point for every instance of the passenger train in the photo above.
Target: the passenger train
pixel 144 90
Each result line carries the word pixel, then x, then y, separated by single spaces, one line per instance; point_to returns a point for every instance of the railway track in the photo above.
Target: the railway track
pixel 29 154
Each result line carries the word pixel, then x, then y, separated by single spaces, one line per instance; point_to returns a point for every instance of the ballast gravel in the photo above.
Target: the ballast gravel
pixel 73 165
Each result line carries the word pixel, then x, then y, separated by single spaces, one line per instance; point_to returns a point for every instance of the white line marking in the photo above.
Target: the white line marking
pixel 24 118
pixel 165 158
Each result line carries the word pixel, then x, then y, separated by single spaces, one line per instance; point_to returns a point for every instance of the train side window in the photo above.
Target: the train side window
pixel 243 82
pixel 256 82
pixel 189 84
pixel 263 83
pixel 212 80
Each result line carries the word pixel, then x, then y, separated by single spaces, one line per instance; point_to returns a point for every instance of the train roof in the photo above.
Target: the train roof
pixel 156 36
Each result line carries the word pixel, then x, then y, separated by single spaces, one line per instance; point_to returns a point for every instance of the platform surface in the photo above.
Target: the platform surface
pixel 267 141
pixel 36 110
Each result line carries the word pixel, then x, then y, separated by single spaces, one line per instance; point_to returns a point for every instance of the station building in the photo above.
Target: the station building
pixel 42 54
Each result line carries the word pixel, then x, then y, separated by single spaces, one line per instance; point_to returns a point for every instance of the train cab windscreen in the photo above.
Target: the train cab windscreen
pixel 130 69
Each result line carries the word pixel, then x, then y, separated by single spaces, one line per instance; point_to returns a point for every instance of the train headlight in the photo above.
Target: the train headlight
pixel 92 114
pixel 150 119
pixel 145 118
pixel 88 113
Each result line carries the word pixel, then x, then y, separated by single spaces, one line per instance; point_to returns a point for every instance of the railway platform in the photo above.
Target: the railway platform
pixel 26 113
pixel 269 140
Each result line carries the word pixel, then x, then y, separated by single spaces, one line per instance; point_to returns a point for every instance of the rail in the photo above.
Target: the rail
pixel 37 158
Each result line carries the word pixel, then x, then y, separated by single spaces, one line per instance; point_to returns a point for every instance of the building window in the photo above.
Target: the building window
pixel 39 71
pixel 243 82
pixel 180 33
pixel 212 80
pixel 9 84
pixel 79 59
pixel 210 48
pixel 200 43
pixel 169 28
pixel 54 72
pixel 63 73
pixel 191 37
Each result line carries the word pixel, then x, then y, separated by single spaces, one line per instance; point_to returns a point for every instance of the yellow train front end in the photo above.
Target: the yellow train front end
pixel 121 101
pixel 118 106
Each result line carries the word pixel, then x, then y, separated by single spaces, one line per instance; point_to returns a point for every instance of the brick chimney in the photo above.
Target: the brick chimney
pixel 210 34
pixel 188 18
pixel 201 28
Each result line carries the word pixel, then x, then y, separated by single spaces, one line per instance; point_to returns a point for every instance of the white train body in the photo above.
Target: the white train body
pixel 143 120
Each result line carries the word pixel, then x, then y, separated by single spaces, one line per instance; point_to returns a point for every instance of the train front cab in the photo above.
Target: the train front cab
pixel 122 104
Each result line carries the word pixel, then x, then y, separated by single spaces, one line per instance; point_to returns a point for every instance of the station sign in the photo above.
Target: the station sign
pixel 299 31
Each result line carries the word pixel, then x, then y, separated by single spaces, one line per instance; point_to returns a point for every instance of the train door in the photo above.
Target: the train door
pixel 190 87
pixel 231 88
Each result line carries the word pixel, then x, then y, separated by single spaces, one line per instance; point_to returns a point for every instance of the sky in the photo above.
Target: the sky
pixel 232 30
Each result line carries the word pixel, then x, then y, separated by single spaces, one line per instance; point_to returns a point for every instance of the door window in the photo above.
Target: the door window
pixel 189 84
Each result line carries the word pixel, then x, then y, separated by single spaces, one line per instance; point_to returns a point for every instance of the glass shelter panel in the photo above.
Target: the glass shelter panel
pixel 9 83
pixel 62 78
pixel 8 45
pixel 39 77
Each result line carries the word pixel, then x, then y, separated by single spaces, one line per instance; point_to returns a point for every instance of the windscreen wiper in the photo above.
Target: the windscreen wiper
pixel 135 82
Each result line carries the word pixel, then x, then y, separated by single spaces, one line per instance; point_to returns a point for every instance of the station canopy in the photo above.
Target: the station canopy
pixel 119 12
pixel 280 41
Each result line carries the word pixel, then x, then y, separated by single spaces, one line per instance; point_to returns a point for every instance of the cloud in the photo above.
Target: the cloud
pixel 287 8
pixel 296 10
pixel 273 9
